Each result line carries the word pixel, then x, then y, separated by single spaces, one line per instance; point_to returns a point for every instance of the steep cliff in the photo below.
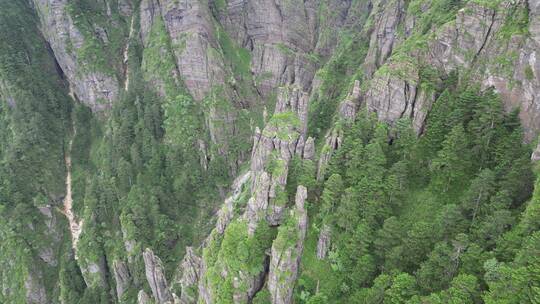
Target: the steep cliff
pixel 268 151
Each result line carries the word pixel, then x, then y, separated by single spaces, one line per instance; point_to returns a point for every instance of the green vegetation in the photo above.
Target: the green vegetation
pixel 529 74
pixel 451 216
pixel 104 36
pixel 516 23
pixel 158 60
pixel 336 76
pixel 34 125
pixel 284 126
pixel 434 14
pixel 428 220
pixel 241 256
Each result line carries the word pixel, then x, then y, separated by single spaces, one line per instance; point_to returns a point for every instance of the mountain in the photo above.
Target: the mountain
pixel 269 151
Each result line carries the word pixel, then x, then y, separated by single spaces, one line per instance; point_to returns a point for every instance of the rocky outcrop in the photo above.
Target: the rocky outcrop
pixel 143 298
pixel 121 277
pixel 183 53
pixel 281 139
pixel 226 213
pixel 95 88
pixel 337 15
pixel 288 39
pixel 309 149
pixel 278 34
pixel 149 10
pixel 189 24
pixel 323 244
pixel 519 85
pixel 94 272
pixel 387 16
pixel 53 231
pixel 287 251
pixel 473 42
pixel 395 96
pixel 35 290
pixel 536 153
pixel 459 44
pixel 190 268
pixel 155 275
pixel 274 147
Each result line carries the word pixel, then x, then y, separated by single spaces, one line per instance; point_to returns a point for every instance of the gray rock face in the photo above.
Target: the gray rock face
pixel 191 267
pixel 274 147
pixel 309 149
pixel 226 213
pixel 143 298
pixel 94 272
pixel 125 8
pixel 336 15
pixel 333 141
pixel 203 287
pixel 121 277
pixel 96 89
pixel 471 42
pixel 282 34
pixel 536 153
pixel 149 10
pixel 388 15
pixel 286 253
pixel 349 106
pixel 274 31
pixel 524 90
pixel 190 28
pixel 281 139
pixel 198 63
pixel 35 290
pixel 323 244
pixel 393 97
pixel 459 44
pixel 534 25
pixel 48 256
pixel 155 276
pixel 476 30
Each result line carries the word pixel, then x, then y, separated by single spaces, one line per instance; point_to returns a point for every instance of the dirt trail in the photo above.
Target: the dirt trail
pixel 126 53
pixel 75 227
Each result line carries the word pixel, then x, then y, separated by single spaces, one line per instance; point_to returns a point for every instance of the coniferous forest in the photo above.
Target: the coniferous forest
pixel 270 151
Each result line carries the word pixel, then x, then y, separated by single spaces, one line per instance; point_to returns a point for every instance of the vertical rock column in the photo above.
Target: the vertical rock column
pixel 274 147
pixel 190 266
pixel 281 139
pixel 156 277
pixel 122 277
pixel 287 252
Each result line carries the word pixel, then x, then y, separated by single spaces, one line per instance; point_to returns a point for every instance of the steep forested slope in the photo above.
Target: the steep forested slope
pixel 269 151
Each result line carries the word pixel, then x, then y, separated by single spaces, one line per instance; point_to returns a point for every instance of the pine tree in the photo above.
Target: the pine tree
pixel 388 237
pixel 451 165
pixel 479 194
pixel 437 125
pixel 333 188
pixel 403 288
pixel 486 127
